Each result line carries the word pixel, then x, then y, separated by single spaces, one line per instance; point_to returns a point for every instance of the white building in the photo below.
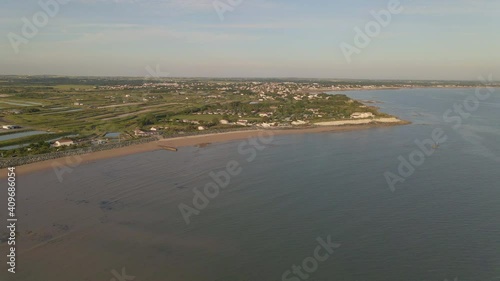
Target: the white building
pixel 242 122
pixel 266 125
pixel 140 133
pixel 361 115
pixel 10 127
pixel 63 142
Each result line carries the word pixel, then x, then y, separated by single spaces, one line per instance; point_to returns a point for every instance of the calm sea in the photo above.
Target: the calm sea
pixel 442 222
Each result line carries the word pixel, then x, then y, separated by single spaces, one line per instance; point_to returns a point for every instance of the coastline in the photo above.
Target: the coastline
pixel 197 140
pixel 329 90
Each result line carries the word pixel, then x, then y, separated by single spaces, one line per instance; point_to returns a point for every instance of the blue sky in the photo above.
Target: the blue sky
pixel 437 39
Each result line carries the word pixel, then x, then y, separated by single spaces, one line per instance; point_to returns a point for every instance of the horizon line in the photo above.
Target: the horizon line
pixel 146 77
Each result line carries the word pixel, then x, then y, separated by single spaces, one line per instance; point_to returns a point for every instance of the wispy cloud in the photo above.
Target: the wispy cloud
pixel 178 4
pixel 115 33
pixel 105 25
pixel 460 7
pixel 283 24
pixel 194 5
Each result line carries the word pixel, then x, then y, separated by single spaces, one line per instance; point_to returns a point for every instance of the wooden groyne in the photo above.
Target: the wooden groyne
pixel 170 148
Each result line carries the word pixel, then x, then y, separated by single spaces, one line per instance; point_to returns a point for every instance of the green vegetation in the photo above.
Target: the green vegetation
pixel 91 107
pixel 32 139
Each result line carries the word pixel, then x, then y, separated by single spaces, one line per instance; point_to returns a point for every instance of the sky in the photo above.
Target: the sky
pixel 427 39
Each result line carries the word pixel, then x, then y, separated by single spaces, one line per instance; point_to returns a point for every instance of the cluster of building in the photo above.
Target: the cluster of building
pixel 153 131
pixel 11 127
pixel 238 87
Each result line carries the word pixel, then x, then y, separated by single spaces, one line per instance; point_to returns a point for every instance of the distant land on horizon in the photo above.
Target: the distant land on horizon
pixel 247 78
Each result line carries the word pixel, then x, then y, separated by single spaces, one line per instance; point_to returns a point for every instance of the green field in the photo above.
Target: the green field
pixel 91 107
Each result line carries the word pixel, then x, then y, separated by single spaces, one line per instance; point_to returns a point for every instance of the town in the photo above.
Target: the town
pixel 47 114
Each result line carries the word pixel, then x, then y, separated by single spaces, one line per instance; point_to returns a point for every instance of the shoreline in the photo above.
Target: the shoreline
pixel 329 90
pixel 187 141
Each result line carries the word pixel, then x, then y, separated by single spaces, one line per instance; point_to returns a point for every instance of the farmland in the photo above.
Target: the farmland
pixel 88 108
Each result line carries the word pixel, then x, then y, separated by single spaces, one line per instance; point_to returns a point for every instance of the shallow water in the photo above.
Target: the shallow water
pixel 22 134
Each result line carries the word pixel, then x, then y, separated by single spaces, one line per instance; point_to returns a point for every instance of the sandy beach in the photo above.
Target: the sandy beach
pixel 358 122
pixel 198 140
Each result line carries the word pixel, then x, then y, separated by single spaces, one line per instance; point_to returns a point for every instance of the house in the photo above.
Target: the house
pixel 242 122
pixel 224 122
pixel 191 121
pixel 140 133
pixel 10 127
pixel 265 125
pixel 201 128
pixel 63 142
pixel 360 115
pixel 299 123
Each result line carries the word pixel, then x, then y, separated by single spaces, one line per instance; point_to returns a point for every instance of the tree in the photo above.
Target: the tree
pixel 148 119
pixel 32 110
